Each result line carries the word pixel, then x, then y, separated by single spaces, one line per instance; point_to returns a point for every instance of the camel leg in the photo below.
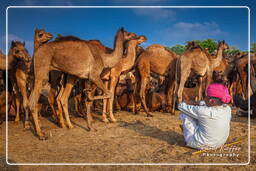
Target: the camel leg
pixel 89 104
pixel 60 111
pixel 144 81
pixel 17 103
pixel 169 95
pixel 64 103
pixel 26 108
pixel 51 99
pixel 33 100
pixel 105 103
pixel 98 82
pixel 64 99
pixel 113 82
pixel 200 81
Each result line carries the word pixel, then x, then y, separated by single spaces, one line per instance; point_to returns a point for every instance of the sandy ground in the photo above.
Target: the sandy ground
pixel 133 139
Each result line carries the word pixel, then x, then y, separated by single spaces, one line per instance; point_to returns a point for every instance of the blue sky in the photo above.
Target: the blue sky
pixel 166 26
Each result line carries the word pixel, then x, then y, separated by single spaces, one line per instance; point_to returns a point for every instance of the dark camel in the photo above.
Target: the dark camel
pixel 124 65
pixel 200 62
pixel 75 57
pixel 157 59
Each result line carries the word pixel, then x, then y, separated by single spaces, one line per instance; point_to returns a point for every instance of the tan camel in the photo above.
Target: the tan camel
pixel 124 65
pixel 199 61
pixel 22 75
pixel 62 99
pixel 75 57
pixel 157 59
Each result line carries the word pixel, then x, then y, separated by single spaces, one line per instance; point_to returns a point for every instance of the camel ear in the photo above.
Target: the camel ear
pixel 13 43
pixel 143 38
pixel 23 43
pixel 122 29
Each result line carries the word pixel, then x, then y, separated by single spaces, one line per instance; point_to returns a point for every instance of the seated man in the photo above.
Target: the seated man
pixel 206 124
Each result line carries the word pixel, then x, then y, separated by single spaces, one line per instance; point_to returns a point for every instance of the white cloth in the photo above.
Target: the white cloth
pixel 205 127
pixel 189 126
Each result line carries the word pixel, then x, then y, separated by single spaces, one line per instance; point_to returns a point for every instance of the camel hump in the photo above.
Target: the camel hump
pixel 66 38
pixel 100 45
pixel 155 46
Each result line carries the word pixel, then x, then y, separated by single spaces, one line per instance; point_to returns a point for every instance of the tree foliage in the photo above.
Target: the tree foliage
pixel 178 49
pixel 253 47
pixel 210 44
pixel 232 51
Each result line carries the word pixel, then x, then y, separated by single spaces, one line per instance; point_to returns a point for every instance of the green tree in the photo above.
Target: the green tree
pixel 211 44
pixel 253 47
pixel 178 49
pixel 232 51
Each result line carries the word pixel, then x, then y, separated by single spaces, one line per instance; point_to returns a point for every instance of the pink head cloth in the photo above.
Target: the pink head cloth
pixel 220 91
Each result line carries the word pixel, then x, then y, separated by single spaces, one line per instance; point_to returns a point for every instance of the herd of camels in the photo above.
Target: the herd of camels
pixel 68 61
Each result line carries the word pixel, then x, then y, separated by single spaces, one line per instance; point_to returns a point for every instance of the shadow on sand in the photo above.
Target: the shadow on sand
pixel 5 166
pixel 172 137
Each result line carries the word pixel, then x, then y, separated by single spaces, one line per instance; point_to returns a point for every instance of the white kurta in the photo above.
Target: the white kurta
pixel 205 127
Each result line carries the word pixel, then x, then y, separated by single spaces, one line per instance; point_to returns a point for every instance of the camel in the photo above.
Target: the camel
pixel 62 98
pixel 22 75
pixel 157 59
pixel 199 61
pixel 241 64
pixel 124 65
pixel 75 57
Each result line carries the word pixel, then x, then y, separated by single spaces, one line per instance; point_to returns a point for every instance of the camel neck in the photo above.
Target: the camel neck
pixel 118 46
pixel 11 60
pixel 131 55
pixel 216 61
pixel 36 46
pixel 110 60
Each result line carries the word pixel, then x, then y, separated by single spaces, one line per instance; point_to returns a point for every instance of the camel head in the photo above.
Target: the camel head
pixel 128 35
pixel 42 36
pixel 141 39
pixel 223 45
pixel 19 51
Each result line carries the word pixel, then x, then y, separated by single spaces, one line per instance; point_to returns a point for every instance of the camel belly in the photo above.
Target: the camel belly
pixel 78 65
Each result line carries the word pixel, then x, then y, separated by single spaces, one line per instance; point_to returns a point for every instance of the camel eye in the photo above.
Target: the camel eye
pixel 40 35
pixel 17 51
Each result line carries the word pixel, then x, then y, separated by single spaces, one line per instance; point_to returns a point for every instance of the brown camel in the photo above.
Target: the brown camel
pixel 241 65
pixel 75 57
pixel 22 70
pixel 62 98
pixel 199 61
pixel 124 65
pixel 157 59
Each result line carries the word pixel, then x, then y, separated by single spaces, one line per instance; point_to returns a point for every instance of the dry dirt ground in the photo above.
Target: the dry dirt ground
pixel 133 139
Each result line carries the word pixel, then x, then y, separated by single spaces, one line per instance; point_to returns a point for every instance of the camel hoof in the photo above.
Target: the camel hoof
pixel 42 137
pixel 149 115
pixel 26 125
pixel 70 126
pixel 62 125
pixel 16 121
pixel 92 129
pixel 113 120
pixel 105 120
